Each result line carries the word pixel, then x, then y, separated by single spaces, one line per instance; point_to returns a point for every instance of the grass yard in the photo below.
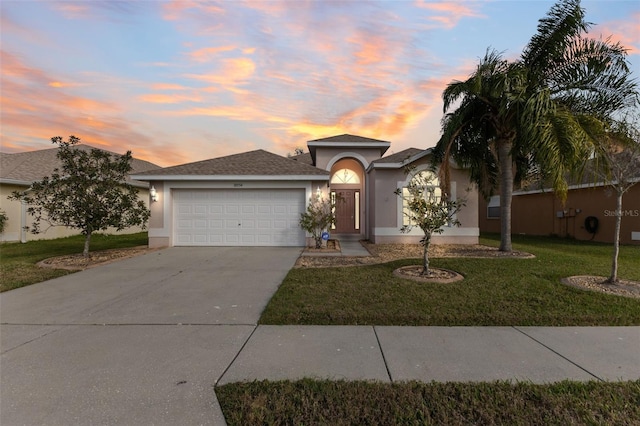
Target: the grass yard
pixel 495 292
pixel 309 402
pixel 18 261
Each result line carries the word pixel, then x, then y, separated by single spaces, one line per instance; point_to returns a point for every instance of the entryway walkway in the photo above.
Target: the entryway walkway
pixel 349 246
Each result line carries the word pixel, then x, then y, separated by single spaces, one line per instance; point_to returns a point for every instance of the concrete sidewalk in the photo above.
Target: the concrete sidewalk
pixel 144 341
pixel 389 354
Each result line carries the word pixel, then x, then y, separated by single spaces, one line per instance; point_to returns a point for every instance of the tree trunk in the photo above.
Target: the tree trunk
pixel 425 254
pixel 87 241
pixel 506 192
pixel 616 240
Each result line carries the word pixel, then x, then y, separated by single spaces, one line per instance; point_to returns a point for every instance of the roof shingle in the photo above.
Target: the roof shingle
pixel 31 166
pixel 348 138
pixel 399 157
pixel 252 163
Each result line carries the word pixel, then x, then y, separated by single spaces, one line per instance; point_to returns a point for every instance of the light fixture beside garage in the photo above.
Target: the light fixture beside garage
pixel 153 193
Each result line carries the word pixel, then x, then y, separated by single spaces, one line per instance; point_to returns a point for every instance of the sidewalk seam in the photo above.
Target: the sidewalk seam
pixel 384 359
pixel 558 353
pixel 236 356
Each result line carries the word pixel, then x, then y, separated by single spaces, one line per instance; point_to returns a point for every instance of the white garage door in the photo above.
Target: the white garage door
pixel 242 217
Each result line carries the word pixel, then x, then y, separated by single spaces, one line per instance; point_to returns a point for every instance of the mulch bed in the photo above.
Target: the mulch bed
pixel 626 288
pixel 436 275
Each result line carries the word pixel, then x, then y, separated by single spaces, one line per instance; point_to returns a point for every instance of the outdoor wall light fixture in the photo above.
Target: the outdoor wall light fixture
pixel 318 192
pixel 153 193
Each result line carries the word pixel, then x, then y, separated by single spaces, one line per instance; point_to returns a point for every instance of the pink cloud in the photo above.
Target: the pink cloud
pixel 176 9
pixel 160 98
pixel 447 14
pixel 33 110
pixel 231 73
pixel 207 53
pixel 626 32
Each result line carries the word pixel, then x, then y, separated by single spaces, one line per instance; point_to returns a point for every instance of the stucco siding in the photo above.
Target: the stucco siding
pixel 18 218
pixel 388 218
pixel 326 157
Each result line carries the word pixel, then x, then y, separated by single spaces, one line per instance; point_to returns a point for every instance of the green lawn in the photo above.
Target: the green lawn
pixel 309 402
pixel 498 292
pixel 18 261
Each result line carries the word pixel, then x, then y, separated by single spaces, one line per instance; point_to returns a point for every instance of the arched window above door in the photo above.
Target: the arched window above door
pixel 345 176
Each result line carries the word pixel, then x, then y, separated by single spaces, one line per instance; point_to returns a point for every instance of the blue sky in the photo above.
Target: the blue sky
pixel 182 81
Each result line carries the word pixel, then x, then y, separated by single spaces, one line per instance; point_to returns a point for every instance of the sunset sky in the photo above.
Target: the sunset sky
pixel 182 81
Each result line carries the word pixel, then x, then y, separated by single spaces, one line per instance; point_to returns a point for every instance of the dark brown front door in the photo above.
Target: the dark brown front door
pixel 346 211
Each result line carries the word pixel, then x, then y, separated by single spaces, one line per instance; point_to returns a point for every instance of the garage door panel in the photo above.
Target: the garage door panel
pixel 184 209
pixel 230 223
pixel 232 209
pixel 238 217
pixel 264 209
pixel 216 209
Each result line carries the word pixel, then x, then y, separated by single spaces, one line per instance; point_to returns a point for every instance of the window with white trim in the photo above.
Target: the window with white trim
pixel 434 191
pixel 345 176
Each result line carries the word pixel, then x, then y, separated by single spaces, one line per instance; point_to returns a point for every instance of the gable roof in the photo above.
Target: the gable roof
pixel 347 141
pixel 23 168
pixel 400 159
pixel 247 165
pixel 401 156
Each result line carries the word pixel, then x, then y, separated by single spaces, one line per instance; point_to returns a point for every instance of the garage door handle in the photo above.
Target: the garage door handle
pixel 239 224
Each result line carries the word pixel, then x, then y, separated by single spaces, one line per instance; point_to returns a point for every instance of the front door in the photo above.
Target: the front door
pixel 347 211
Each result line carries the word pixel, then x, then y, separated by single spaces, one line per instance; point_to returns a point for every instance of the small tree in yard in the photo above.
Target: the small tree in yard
pixel 428 208
pixel 89 192
pixel 318 217
pixel 619 155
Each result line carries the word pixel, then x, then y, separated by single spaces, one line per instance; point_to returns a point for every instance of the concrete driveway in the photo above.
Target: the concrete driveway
pixel 140 341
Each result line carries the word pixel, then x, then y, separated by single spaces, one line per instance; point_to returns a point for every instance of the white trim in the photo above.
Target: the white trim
pixel 448 231
pixel 346 154
pixel 28 183
pixel 352 145
pixel 243 178
pixel 403 184
pixel 237 185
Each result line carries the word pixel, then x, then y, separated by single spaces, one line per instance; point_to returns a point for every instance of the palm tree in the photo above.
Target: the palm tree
pixel 534 114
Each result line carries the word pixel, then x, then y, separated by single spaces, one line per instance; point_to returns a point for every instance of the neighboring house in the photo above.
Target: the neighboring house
pixel 540 212
pixel 256 198
pixel 18 171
